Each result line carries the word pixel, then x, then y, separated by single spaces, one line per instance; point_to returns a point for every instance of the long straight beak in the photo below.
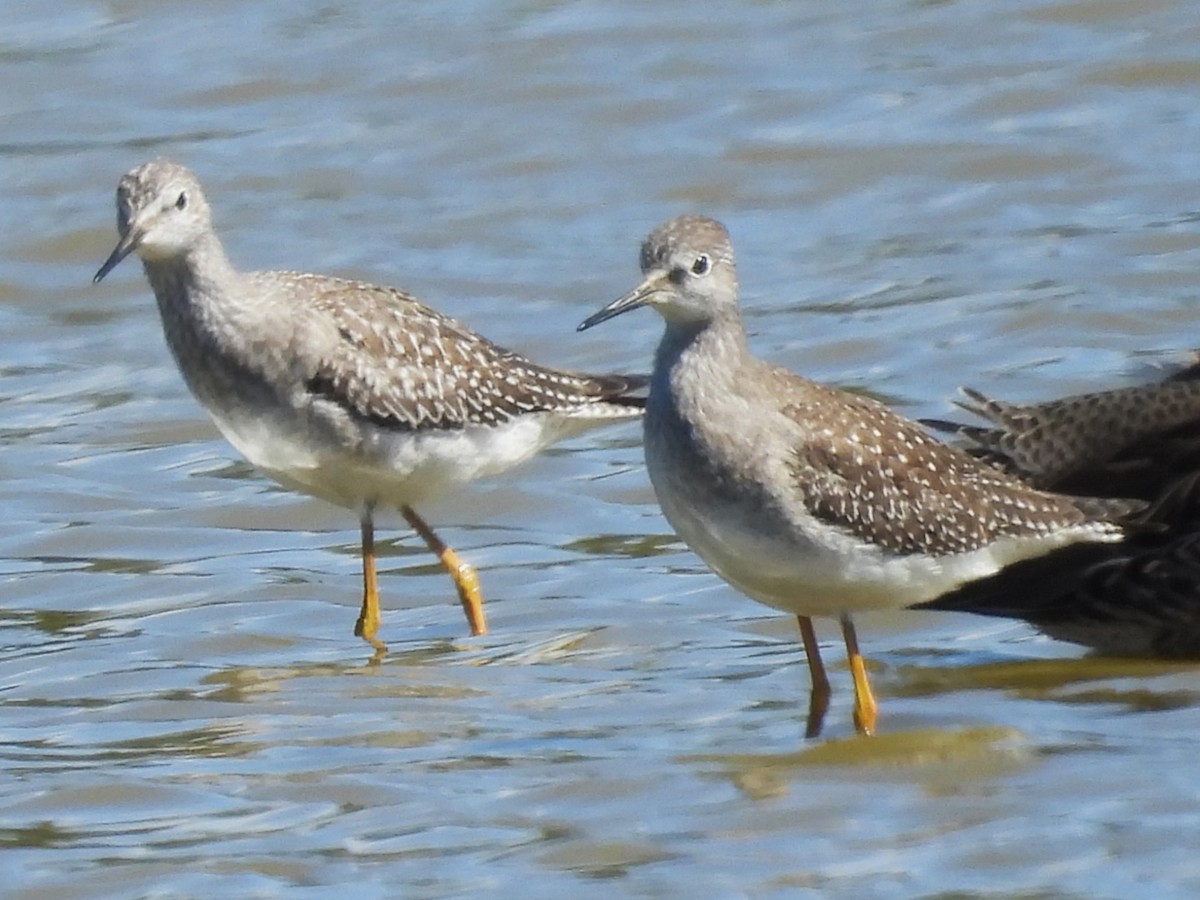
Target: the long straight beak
pixel 125 246
pixel 639 296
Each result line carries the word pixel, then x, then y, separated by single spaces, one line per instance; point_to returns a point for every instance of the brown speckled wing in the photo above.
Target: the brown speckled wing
pixel 1129 441
pixel 393 361
pixel 880 476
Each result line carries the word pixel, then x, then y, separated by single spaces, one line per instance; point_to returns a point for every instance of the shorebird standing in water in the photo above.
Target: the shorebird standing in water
pixel 813 500
pixel 354 393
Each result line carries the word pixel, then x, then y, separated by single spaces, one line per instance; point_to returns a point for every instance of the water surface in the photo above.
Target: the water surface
pixel 921 195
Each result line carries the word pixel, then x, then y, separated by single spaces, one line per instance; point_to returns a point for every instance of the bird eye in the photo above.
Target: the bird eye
pixel 701 265
pixel 182 201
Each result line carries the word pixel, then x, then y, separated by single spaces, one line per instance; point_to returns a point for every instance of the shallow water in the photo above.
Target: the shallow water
pixel 921 195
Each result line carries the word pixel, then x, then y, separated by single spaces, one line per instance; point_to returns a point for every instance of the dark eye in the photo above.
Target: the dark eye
pixel 182 201
pixel 700 266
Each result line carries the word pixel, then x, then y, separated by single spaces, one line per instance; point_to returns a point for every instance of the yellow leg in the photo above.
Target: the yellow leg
pixel 368 618
pixel 865 709
pixel 818 700
pixel 463 574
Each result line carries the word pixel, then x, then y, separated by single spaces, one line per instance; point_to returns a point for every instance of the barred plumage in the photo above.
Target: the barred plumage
pixel 1137 598
pixel 1128 442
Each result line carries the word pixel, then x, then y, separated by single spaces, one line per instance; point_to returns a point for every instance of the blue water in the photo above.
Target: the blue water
pixel 920 194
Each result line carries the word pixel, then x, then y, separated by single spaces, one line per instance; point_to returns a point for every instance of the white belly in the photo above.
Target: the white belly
pixel 810 568
pixel 390 468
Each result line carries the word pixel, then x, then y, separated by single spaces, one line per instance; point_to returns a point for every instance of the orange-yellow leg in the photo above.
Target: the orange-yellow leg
pixel 865 709
pixel 368 618
pixel 463 574
pixel 818 700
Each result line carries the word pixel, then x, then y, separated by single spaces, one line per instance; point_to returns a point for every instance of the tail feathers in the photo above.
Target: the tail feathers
pixel 1007 416
pixel 995 443
pixel 984 407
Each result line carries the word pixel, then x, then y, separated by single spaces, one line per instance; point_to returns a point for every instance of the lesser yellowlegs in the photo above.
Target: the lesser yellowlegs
pixel 354 393
pixel 809 499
